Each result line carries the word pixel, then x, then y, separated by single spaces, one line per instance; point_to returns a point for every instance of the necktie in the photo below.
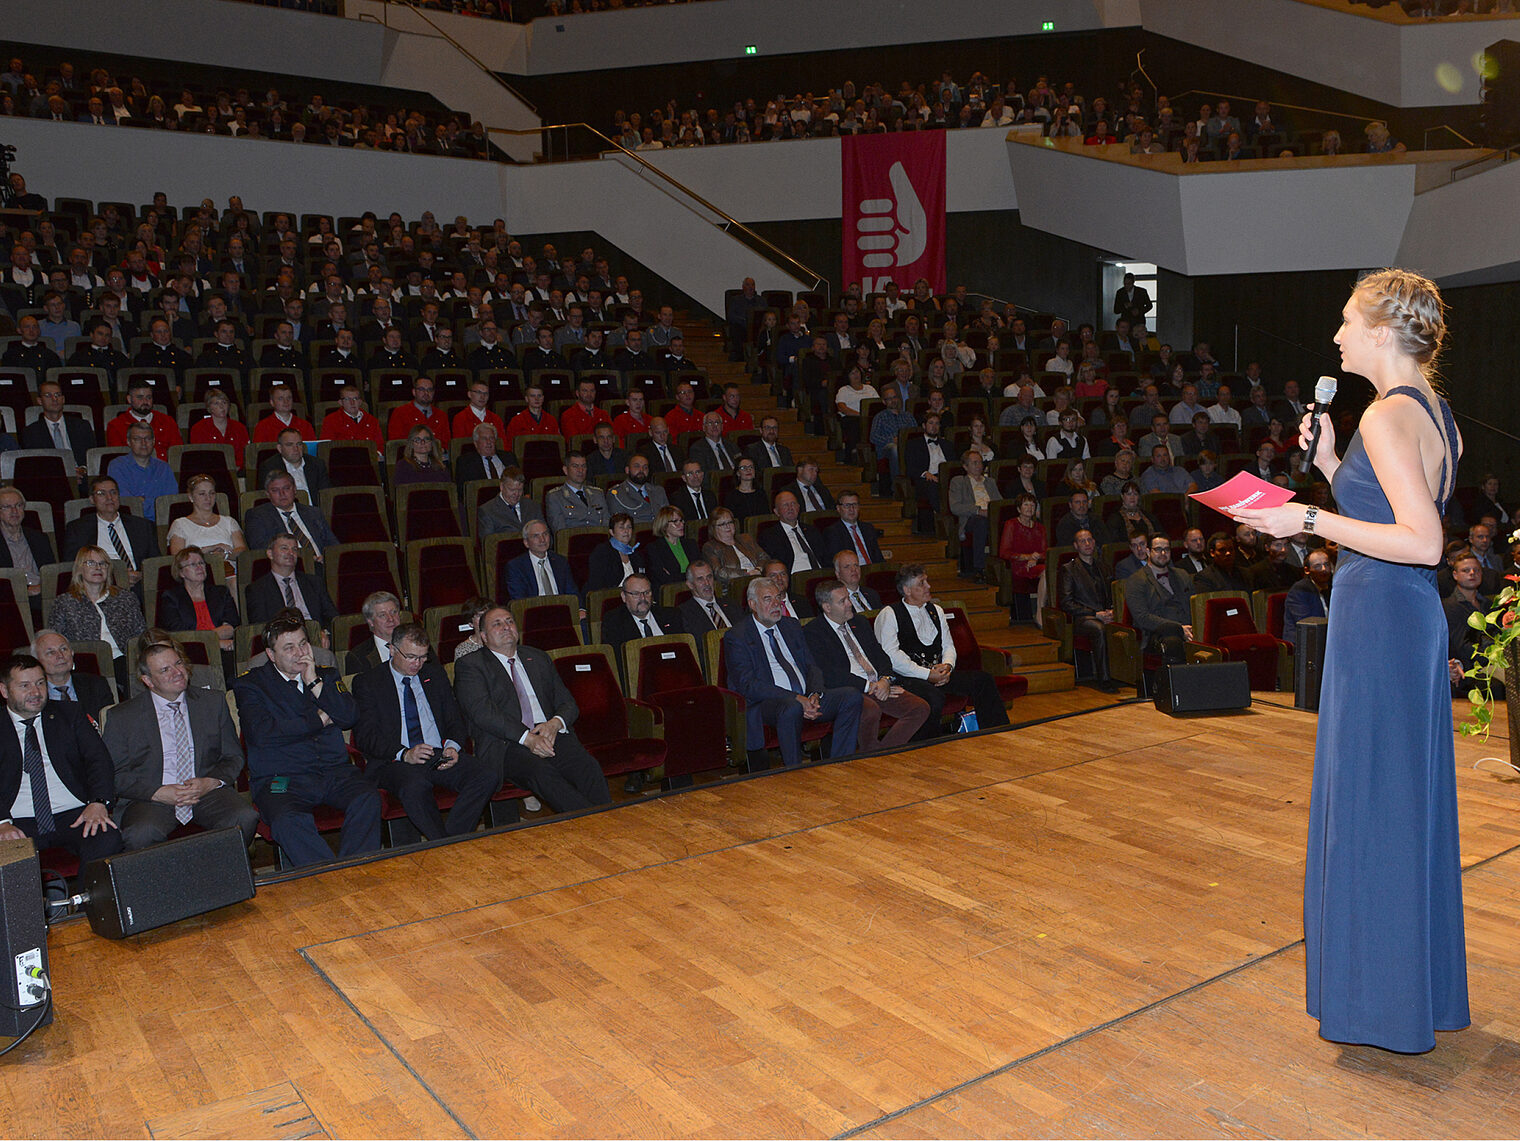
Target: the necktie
pixel 290 595
pixel 775 455
pixel 412 713
pixel 545 579
pixel 644 626
pixel 645 493
pixel 701 508
pixel 516 513
pixel 719 621
pixel 183 763
pixel 665 458
pixel 116 543
pixel 813 501
pixel 290 526
pixel 61 693
pixel 36 771
pixel 581 495
pixel 522 694
pixel 802 544
pixel 855 652
pixel 859 601
pixel 722 454
pixel 860 544
pixel 59 439
pixel 791 674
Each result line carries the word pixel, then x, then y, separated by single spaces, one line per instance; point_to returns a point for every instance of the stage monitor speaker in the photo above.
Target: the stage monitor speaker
pixel 133 892
pixel 25 937
pixel 1308 661
pixel 1209 687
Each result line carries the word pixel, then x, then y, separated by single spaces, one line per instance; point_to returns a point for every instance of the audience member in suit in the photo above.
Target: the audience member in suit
pixel 1309 597
pixel 605 457
pixel 847 571
pixel 91 691
pixel 287 585
pixel 1275 572
pixel 23 548
pixel 1223 573
pixel 795 543
pixel 382 614
pixel 53 429
pixel 486 460
pixel 703 611
pixel 769 665
pixel 510 511
pixel 693 498
pixel 1157 596
pixel 852 533
pixel 1085 593
pixel 810 490
pixel 283 515
pixel 293 715
pixel 617 558
pixel 302 468
pixel 56 778
pixel 671 551
pixel 531 573
pixel 1194 558
pixel 521 717
pixel 660 450
pixel 636 496
pixel 177 756
pixel 1465 600
pixel 412 736
pixel 848 654
pixel 916 637
pixel 575 503
pixel 792 606
pixel 768 451
pixel 134 539
pixel 638 617
pixel 710 449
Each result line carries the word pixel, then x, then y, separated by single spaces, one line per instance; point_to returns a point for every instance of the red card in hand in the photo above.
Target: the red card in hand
pixel 1243 491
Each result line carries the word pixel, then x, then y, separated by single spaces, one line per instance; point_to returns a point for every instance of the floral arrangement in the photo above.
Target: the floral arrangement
pixel 1496 651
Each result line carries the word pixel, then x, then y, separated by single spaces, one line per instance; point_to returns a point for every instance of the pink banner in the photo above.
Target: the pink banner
pixel 894 209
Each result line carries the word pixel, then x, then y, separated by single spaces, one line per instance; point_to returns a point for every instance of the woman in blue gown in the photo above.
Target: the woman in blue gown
pixel 1383 890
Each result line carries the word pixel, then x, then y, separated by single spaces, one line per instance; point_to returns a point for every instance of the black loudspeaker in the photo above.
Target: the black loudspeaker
pixel 133 892
pixel 1308 661
pixel 25 937
pixel 1210 687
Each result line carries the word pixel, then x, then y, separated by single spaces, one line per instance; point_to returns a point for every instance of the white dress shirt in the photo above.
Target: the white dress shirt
pixel 923 626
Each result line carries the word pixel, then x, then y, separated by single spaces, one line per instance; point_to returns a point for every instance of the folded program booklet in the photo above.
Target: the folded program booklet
pixel 1243 491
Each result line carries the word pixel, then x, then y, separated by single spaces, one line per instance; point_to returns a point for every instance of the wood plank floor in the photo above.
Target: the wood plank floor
pixel 1086 927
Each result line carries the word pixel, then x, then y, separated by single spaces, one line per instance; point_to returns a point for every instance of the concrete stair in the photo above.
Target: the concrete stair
pixel 1034 656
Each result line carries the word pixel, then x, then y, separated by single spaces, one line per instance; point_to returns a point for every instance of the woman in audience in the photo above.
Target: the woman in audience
pixel 936 379
pixel 218 426
pixel 746 499
pixel 732 553
pixel 216 535
pixel 1075 478
pixel 1089 384
pixel 1025 482
pixel 1029 438
pixel 475 609
pixel 671 551
pixel 766 335
pixel 324 235
pixel 847 401
pixel 620 556
pixel 1110 412
pixel 1275 436
pixel 421 461
pixel 977 427
pixel 1330 143
pixel 197 603
pixel 1207 475
pixel 1486 502
pixel 876 341
pixel 1129 517
pixel 94 610
pixel 1124 472
pixel 1022 546
pixel 1172 385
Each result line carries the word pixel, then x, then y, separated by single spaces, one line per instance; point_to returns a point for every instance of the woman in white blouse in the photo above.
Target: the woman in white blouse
pixel 217 535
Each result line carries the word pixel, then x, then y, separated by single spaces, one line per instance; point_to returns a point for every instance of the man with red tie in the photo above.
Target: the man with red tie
pixel 852 533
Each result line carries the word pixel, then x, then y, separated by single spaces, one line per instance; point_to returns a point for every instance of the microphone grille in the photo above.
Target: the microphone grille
pixel 1324 391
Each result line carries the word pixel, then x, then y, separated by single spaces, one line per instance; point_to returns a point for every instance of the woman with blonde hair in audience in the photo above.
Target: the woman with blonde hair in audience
pixel 876 340
pixel 1330 143
pixel 195 602
pixel 1075 478
pixel 218 536
pixel 420 461
pixel 93 609
pixel 732 553
pixel 1088 383
pixel 672 550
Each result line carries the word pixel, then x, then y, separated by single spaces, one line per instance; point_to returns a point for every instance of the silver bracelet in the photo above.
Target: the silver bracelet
pixel 1309 517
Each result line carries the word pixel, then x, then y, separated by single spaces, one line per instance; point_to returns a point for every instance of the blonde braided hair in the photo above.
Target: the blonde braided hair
pixel 1410 306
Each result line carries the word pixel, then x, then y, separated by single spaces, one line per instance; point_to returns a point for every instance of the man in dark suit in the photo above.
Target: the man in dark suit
pixel 1157 596
pixel 56 778
pixel 852 533
pixel 125 537
pixel 795 543
pixel 286 585
pixel 849 656
pixel 411 734
pixel 292 459
pixel 660 450
pixel 486 460
pixel 532 573
pixel 283 515
pixel 510 511
pixel 922 458
pixel 55 430
pixel 91 691
pixel 177 756
pixel 638 617
pixel 768 451
pixel 520 716
pixel 704 611
pixel 810 490
pixel 769 665
pixel 1086 595
pixel 32 541
pixel 382 614
pixel 293 715
pixel 1309 597
pixel 1131 301
pixel 711 450
pixel 693 498
pixel 847 571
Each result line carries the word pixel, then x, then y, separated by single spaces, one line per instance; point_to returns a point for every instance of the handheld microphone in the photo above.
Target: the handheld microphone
pixel 1324 394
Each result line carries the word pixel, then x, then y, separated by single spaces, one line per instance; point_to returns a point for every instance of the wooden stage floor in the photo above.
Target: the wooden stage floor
pixel 1087 927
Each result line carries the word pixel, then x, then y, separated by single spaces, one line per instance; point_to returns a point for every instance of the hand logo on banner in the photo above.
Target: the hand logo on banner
pixel 876 225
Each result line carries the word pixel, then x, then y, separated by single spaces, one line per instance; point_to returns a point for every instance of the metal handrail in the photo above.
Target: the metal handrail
pixel 1496 158
pixel 729 222
pixel 1248 99
pixel 459 47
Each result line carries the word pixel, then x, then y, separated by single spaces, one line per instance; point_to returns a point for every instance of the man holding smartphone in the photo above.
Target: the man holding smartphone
pixel 410 730
pixel 293 715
